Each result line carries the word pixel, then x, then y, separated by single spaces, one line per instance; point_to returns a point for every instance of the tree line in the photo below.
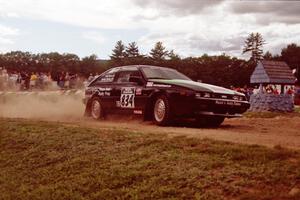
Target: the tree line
pixel 221 70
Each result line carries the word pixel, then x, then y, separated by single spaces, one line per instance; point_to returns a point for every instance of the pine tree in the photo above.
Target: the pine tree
pixel 118 53
pixel 268 56
pixel 132 50
pixel 173 56
pixel 254 44
pixel 159 52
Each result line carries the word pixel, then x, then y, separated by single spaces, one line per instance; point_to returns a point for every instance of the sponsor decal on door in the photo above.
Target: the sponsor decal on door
pixel 127 97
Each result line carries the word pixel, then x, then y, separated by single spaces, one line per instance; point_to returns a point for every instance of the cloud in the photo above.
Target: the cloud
pixel 8 31
pixel 95 37
pixel 187 44
pixel 190 27
pixel 178 7
pixel 267 12
pixel 7 34
pixel 276 40
pixel 89 13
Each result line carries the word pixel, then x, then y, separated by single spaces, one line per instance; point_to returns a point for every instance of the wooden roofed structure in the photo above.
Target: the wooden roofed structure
pixel 272 72
pixel 271 76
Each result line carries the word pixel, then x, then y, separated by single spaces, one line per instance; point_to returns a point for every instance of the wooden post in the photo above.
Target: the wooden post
pixel 282 89
pixel 261 90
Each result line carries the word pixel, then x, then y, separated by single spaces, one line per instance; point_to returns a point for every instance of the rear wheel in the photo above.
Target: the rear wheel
pixel 96 108
pixel 210 121
pixel 161 111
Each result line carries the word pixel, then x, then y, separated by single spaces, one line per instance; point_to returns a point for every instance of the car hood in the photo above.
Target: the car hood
pixel 196 86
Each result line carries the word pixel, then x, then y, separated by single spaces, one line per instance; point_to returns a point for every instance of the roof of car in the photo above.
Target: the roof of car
pixel 139 66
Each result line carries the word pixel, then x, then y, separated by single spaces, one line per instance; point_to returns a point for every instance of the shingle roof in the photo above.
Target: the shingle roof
pixel 272 72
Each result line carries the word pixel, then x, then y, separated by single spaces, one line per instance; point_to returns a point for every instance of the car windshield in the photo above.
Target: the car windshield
pixel 163 73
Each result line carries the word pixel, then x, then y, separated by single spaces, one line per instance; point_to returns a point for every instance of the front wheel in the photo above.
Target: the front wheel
pixel 161 111
pixel 96 108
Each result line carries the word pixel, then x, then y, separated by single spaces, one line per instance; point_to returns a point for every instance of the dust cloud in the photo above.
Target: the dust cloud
pixel 54 106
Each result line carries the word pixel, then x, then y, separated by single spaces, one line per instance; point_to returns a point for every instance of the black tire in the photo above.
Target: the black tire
pixel 96 109
pixel 161 111
pixel 210 121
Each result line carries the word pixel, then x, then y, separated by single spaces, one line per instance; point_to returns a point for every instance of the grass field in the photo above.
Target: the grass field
pixel 267 114
pixel 48 160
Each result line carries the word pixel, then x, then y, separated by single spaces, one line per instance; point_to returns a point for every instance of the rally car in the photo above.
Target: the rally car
pixel 162 95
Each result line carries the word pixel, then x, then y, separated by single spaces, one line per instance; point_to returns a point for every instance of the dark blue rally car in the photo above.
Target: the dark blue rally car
pixel 162 95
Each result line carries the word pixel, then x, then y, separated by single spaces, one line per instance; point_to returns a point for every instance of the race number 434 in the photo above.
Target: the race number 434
pixel 127 97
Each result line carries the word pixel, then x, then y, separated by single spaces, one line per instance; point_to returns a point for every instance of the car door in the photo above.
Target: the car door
pixel 103 87
pixel 129 95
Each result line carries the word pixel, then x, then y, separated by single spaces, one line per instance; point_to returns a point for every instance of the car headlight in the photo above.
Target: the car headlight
pixel 206 95
pixel 197 95
pixel 236 98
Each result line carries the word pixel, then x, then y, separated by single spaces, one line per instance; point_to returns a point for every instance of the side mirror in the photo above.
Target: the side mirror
pixel 136 79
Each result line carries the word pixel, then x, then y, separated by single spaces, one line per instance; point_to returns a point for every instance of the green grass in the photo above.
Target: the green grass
pixel 297 109
pixel 267 114
pixel 262 114
pixel 43 160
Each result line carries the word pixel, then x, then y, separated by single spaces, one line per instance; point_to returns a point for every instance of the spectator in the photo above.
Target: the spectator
pixel 275 90
pixel 1 79
pixel 255 90
pixel 61 80
pixel 290 91
pixel 33 79
pixel 67 80
pixel 12 80
pixel 4 78
pixel 25 81
pixel 91 77
pixel 72 81
pixel 269 89
pixel 19 80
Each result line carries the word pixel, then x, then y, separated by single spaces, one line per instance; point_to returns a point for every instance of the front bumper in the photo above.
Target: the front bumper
pixel 220 107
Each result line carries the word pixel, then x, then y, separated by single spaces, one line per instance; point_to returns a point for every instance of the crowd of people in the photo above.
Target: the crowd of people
pixel 267 89
pixel 248 91
pixel 40 80
pixel 19 81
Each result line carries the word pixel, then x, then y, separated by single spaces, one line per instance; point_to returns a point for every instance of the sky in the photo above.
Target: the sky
pixel 190 27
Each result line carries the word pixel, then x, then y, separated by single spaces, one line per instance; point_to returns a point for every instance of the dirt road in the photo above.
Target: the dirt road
pixel 54 106
pixel 284 131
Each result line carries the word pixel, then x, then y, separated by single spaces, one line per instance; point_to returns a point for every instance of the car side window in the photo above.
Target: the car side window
pixel 105 78
pixel 124 76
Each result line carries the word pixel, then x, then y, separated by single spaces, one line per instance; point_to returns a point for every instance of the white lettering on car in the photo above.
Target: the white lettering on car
pixel 138 112
pixel 138 91
pixel 151 84
pixel 108 78
pixel 101 91
pixel 161 85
